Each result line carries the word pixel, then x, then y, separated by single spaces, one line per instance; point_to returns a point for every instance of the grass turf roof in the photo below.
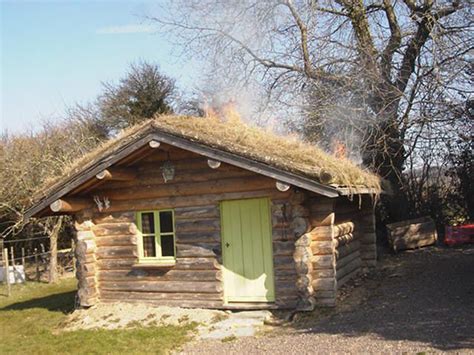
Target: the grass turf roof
pixel 287 153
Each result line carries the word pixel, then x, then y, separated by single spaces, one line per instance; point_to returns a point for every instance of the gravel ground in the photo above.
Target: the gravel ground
pixel 418 301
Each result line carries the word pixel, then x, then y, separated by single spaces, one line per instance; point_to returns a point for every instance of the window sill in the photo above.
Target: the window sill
pixel 154 265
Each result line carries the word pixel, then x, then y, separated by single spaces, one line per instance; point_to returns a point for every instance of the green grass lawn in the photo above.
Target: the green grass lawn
pixel 31 318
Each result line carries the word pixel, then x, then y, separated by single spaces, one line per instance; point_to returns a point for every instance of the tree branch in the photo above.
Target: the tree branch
pixel 394 41
pixel 308 66
pixel 418 41
pixel 358 15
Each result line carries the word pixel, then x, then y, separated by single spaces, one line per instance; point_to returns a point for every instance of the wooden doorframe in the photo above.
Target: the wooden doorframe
pixel 270 297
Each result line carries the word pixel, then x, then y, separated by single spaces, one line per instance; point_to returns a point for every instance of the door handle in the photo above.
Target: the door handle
pixel 227 245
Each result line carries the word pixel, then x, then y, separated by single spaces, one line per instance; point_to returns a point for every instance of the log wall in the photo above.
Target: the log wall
pixel 342 243
pixel 347 252
pixel 194 194
pixel 322 214
pixel 86 261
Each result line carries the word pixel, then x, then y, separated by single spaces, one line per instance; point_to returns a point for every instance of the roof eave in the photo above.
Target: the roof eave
pixel 213 153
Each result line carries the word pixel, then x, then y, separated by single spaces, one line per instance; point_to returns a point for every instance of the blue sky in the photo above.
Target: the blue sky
pixel 56 53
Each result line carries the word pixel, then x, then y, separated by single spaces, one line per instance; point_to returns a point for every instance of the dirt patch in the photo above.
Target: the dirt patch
pixel 123 315
pixel 413 302
pixel 210 324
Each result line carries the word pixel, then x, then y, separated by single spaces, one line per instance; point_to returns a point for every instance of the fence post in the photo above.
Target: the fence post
pixel 73 250
pixel 23 259
pixel 7 270
pixel 36 264
pixel 12 256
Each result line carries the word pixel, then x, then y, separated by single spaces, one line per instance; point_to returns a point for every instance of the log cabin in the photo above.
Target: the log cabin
pixel 208 213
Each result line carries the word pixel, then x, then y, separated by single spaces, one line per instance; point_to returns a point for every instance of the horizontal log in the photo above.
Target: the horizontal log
pixel 368 255
pixel 348 268
pixel 70 204
pixel 198 250
pixel 283 262
pixel 326 284
pixel 282 223
pixel 281 273
pixel 124 295
pixel 182 175
pixel 196 263
pixel 409 224
pixel 85 246
pixel 347 277
pixel 117 217
pixel 115 252
pixel 321 219
pixel 171 303
pixel 198 237
pixel 322 261
pixel 240 184
pixel 345 239
pixel 285 286
pixel 197 225
pixel 81 225
pixel 180 201
pixel 87 292
pixel 323 273
pixel 414 237
pixel 116 240
pixel 118 174
pixel 103 264
pixel 322 247
pixel 283 248
pixel 303 267
pixel 163 286
pixel 322 233
pixel 195 212
pixel 346 249
pixel 299 211
pixel 282 234
pixel 115 229
pixel 347 259
pixel 87 282
pixel 300 225
pixel 85 270
pixel 159 275
pixel 343 228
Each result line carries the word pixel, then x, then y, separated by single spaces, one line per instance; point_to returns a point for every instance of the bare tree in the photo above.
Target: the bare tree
pixel 385 58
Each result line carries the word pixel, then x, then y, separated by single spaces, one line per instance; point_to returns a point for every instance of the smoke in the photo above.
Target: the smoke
pixel 228 37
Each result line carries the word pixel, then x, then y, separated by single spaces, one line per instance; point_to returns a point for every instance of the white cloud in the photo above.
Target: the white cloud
pixel 126 29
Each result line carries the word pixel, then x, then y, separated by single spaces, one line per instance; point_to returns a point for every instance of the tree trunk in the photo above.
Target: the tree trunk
pixel 53 261
pixel 385 154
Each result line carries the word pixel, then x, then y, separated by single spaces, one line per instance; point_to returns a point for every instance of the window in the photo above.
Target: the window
pixel 156 241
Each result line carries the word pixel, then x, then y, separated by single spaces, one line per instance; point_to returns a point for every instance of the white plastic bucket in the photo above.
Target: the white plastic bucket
pixel 16 274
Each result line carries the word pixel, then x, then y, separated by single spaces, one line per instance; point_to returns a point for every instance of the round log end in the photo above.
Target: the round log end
pixel 56 206
pixel 213 164
pixel 325 177
pixel 281 186
pixel 154 144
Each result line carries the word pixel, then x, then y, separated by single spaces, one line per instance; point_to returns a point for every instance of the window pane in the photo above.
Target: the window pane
pixel 148 225
pixel 167 245
pixel 166 222
pixel 149 248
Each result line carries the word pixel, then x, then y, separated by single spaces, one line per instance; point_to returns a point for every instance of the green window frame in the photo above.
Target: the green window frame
pixel 155 241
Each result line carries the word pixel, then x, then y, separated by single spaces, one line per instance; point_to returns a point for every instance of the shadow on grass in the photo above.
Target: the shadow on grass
pixel 59 302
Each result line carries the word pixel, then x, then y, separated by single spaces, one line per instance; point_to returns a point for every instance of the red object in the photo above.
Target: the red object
pixel 459 235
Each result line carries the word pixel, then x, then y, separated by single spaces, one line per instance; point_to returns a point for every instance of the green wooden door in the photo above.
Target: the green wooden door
pixel 247 251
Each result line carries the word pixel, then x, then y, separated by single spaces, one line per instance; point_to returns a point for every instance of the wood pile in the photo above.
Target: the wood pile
pixel 412 234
